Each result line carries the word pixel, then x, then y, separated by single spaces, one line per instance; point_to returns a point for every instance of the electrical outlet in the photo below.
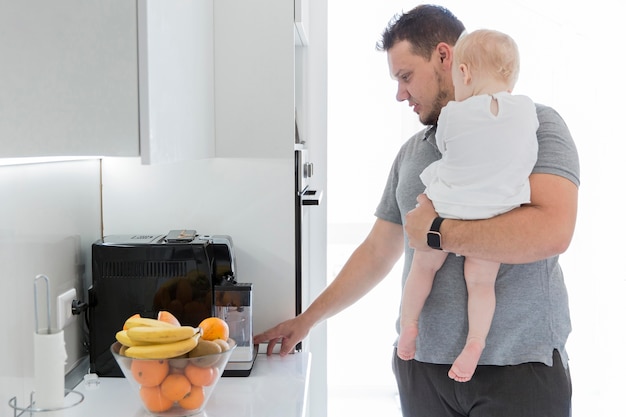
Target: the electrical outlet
pixel 64 308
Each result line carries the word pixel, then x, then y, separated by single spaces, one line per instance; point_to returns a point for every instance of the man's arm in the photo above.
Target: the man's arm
pixel 367 266
pixel 534 231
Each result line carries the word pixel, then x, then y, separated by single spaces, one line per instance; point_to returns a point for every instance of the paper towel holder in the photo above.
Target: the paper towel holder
pixel 47 280
pixel 30 409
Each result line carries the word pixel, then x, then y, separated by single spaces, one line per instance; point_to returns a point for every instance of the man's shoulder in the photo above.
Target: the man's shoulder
pixel 414 145
pixel 417 138
pixel 546 112
pixel 423 133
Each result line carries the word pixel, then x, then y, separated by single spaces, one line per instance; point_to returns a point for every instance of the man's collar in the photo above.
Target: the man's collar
pixel 430 131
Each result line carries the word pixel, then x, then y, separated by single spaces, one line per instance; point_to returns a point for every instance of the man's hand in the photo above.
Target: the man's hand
pixel 418 223
pixel 289 333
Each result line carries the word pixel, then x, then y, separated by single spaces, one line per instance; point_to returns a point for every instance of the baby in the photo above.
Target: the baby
pixel 487 138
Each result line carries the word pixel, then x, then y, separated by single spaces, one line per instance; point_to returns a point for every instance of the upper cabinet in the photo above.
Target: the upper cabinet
pixel 254 78
pixel 165 79
pixel 176 103
pixel 107 78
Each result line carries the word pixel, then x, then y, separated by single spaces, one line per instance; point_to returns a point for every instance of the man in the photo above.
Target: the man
pixel 523 370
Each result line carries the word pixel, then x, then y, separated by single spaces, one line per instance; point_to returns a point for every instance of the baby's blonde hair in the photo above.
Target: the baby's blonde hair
pixel 489 52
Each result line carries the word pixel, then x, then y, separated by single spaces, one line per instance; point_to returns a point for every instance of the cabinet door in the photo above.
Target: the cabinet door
pixel 254 78
pixel 68 78
pixel 176 80
pixel 92 78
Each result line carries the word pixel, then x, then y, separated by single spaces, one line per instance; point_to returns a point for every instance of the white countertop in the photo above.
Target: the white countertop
pixel 277 386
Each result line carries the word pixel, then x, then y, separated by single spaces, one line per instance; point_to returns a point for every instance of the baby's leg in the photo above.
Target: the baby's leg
pixel 416 289
pixel 480 277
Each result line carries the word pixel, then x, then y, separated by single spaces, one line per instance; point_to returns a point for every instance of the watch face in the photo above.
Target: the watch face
pixel 433 239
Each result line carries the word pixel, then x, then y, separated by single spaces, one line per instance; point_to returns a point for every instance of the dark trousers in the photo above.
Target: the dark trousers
pixel 526 390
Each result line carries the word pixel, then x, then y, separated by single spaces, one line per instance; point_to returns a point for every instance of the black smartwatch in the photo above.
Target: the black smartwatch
pixel 433 237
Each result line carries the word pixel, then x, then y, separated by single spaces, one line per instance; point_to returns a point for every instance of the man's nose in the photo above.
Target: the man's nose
pixel 401 94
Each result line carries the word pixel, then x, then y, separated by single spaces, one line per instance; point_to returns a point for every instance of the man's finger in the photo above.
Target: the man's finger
pixel 285 348
pixel 270 346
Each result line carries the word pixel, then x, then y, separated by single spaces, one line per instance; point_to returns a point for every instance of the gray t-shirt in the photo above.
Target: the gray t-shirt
pixel 532 313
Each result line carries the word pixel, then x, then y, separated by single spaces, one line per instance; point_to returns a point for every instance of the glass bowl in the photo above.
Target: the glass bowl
pixel 174 387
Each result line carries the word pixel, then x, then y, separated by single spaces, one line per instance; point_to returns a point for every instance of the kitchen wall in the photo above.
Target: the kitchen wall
pixel 252 200
pixel 49 216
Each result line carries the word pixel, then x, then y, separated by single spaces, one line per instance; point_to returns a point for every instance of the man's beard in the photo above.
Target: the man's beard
pixel 444 95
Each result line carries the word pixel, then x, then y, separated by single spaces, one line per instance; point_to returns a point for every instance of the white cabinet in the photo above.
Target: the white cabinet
pixel 94 77
pixel 254 78
pixel 176 106
pixel 301 20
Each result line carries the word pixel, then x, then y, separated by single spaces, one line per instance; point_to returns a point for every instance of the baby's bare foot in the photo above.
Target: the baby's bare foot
pixel 406 343
pixel 465 364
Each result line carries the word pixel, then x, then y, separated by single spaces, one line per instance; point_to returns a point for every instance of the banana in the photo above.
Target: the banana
pixel 163 350
pixel 122 337
pixel 160 334
pixel 145 322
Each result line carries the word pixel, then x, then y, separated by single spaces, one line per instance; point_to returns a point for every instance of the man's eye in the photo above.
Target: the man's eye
pixel 405 77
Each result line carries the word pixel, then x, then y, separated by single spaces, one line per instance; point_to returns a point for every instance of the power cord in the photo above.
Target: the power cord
pixel 79 307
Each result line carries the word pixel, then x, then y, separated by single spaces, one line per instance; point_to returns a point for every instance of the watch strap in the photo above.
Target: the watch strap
pixel 433 237
pixel 436 224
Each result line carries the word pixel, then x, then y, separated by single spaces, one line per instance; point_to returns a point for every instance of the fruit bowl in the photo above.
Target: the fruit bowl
pixel 174 387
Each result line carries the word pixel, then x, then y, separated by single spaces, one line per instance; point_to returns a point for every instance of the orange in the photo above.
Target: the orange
pixel 175 387
pixel 168 317
pixel 201 376
pixel 193 400
pixel 149 373
pixel 125 327
pixel 154 400
pixel 214 328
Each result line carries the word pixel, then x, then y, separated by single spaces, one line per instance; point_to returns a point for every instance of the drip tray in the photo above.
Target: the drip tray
pixel 241 368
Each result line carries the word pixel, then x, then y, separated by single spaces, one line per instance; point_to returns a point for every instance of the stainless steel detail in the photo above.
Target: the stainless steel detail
pixel 30 410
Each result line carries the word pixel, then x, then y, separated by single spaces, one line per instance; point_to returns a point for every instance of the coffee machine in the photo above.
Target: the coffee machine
pixel 190 275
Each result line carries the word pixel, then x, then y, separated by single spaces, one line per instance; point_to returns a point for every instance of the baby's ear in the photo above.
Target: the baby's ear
pixel 465 71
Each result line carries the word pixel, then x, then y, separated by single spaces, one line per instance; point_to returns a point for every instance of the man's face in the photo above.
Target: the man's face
pixel 421 82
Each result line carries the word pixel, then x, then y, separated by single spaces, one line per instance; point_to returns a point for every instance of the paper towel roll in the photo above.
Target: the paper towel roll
pixel 50 358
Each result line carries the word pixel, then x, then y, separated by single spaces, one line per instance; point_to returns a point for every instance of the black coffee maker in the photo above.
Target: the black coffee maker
pixel 178 272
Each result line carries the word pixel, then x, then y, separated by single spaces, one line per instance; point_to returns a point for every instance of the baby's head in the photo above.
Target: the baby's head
pixel 489 57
